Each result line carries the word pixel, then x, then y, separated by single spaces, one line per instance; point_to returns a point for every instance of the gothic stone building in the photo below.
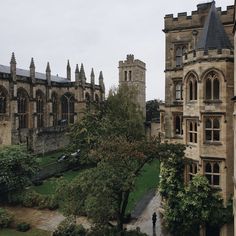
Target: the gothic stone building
pixel 35 108
pixel 199 76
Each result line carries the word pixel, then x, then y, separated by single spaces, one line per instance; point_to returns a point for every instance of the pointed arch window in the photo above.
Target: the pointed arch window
pixel 212 172
pixel 212 86
pixel 87 100
pixel 192 170
pixel 39 108
pixel 192 87
pixel 67 107
pixel 178 124
pixel 96 98
pixel 22 108
pixel 3 101
pixel 54 108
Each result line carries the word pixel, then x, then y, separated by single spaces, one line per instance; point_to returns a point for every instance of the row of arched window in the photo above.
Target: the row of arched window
pixel 211 129
pixel 211 171
pixel 67 103
pixel 212 87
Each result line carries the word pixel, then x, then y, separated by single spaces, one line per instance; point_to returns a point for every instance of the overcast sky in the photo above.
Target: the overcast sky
pixel 98 33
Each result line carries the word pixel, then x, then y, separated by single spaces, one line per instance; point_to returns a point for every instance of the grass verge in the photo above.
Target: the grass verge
pixel 147 180
pixel 31 232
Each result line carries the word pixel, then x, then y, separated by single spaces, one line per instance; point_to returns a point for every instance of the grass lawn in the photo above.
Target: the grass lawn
pixel 148 180
pixel 49 185
pixel 46 159
pixel 31 232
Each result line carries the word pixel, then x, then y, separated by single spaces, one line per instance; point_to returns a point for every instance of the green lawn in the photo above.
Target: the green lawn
pixel 31 232
pixel 148 180
pixel 46 159
pixel 49 185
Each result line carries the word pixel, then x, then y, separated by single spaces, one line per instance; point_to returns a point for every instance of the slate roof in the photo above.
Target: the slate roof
pixel 213 35
pixel 26 73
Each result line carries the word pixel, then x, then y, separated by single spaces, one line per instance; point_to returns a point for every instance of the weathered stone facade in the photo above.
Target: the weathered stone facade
pixel 199 87
pixel 133 72
pixel 35 108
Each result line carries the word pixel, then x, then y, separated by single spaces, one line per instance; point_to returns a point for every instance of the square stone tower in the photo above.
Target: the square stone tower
pixel 133 73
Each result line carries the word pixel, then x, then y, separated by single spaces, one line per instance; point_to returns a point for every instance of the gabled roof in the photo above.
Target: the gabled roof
pixel 26 73
pixel 213 35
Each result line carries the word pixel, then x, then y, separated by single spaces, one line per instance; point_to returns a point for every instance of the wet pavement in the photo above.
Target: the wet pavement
pixel 49 220
pixel 144 220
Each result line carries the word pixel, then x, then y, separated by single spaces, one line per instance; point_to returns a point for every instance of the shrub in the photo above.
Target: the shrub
pixel 5 218
pixel 30 198
pixel 68 227
pixel 23 227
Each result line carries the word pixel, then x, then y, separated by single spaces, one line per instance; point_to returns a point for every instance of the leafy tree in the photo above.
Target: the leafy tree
pixel 186 208
pixel 152 110
pixel 17 168
pixel 119 115
pixel 104 191
pixel 113 138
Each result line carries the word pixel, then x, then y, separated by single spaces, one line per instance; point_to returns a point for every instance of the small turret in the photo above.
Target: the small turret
pixel 13 67
pixel 82 76
pixel 92 76
pixel 48 74
pixel 77 74
pixel 32 70
pixel 101 82
pixel 68 70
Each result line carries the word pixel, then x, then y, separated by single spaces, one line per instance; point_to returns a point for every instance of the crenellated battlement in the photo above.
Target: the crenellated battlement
pixel 196 19
pixel 130 60
pixel 215 54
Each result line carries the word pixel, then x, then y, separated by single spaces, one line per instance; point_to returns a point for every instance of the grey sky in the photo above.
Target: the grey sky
pixel 98 33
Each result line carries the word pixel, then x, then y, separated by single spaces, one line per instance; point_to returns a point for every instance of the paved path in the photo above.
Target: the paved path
pixel 144 221
pixel 49 220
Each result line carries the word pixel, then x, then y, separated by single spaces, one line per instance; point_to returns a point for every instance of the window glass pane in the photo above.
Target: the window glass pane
pixel 190 137
pixel 195 168
pixel 190 90
pixel 177 125
pixel 216 123
pixel 195 126
pixel 216 89
pixel 195 89
pixel 209 178
pixel 195 138
pixel 190 168
pixel 216 135
pixel 208 168
pixel 208 123
pixel 208 135
pixel 216 168
pixel 216 180
pixel 191 126
pixel 208 89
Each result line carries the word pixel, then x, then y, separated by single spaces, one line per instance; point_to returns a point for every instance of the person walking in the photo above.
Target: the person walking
pixel 154 219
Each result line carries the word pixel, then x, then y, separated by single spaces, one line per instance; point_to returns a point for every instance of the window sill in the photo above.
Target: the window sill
pixel 178 137
pixel 178 101
pixel 212 101
pixel 191 101
pixel 192 144
pixel 216 143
